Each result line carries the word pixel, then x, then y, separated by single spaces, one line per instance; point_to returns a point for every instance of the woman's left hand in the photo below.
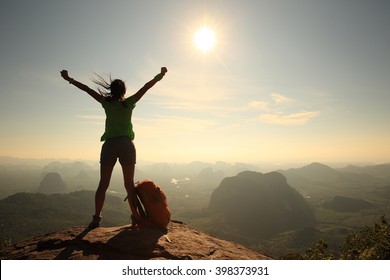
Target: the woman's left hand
pixel 64 74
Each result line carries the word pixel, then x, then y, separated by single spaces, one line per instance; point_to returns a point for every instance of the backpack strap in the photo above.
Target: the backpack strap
pixel 139 205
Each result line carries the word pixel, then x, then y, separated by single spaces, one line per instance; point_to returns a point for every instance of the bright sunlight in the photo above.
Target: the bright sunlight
pixel 204 39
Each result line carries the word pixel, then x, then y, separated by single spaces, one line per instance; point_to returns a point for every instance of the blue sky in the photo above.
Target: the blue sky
pixel 286 81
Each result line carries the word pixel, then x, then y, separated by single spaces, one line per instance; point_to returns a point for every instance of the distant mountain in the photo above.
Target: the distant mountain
pixel 208 175
pixel 52 183
pixel 81 176
pixel 381 171
pixel 67 169
pixel 321 182
pixel 348 204
pixel 261 204
pixel 316 171
pixel 322 174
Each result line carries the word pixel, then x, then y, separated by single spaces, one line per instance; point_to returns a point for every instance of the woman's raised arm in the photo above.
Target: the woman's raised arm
pixel 91 92
pixel 138 95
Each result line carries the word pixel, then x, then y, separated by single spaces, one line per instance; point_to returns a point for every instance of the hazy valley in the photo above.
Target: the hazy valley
pixel 274 212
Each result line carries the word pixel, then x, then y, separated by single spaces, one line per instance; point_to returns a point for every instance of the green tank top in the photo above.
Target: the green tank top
pixel 118 118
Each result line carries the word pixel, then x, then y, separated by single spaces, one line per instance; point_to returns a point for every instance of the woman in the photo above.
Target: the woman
pixel 118 136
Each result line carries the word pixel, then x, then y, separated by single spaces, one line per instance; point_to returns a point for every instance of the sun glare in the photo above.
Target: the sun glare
pixel 204 39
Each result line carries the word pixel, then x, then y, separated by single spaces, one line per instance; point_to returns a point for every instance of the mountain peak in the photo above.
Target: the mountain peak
pixel 177 242
pixel 314 170
pixel 261 204
pixel 317 165
pixel 52 183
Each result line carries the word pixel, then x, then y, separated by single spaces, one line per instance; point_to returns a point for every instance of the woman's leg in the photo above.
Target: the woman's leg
pixel 128 178
pixel 100 196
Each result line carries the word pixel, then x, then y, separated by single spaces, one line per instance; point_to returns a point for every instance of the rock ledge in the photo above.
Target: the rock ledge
pixel 177 242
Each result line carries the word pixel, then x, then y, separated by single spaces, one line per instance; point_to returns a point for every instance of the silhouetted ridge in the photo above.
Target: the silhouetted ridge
pixel 52 183
pixel 315 170
pixel 348 204
pixel 261 204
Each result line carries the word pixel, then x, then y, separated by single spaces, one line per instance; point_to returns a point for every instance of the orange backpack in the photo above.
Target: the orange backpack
pixel 154 209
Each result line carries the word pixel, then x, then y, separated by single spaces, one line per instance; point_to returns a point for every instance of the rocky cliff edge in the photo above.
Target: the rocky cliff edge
pixel 177 242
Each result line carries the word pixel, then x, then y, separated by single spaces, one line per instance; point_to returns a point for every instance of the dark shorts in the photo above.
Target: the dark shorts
pixel 121 147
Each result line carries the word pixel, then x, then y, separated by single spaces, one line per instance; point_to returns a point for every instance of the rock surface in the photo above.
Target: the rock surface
pixel 177 242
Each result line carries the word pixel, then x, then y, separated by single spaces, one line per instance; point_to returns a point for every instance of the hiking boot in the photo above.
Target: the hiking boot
pixel 95 222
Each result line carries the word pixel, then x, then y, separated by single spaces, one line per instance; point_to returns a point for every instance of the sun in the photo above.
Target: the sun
pixel 204 39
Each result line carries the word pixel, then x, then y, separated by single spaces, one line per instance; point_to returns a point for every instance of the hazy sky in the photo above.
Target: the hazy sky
pixel 286 80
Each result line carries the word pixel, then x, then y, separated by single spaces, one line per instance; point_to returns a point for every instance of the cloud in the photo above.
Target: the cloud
pixel 272 111
pixel 93 119
pixel 173 124
pixel 261 105
pixel 290 119
pixel 265 106
pixel 280 99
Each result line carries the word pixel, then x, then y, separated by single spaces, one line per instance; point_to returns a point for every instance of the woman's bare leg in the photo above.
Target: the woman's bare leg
pixel 100 196
pixel 128 178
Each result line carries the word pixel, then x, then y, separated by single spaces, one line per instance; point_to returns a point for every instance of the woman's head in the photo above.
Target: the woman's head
pixel 112 89
pixel 118 89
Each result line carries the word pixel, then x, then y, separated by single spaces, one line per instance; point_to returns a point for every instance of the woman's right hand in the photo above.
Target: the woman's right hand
pixel 164 70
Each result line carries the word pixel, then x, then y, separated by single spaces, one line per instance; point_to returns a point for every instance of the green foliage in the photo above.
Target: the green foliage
pixel 370 243
pixel 5 240
pixel 319 251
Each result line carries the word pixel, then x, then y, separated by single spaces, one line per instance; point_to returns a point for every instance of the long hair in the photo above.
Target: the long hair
pixel 112 90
